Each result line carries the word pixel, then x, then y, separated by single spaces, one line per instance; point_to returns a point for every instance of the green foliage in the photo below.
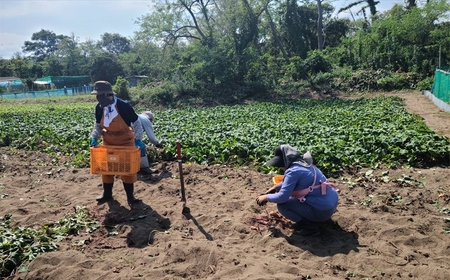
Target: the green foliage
pixel 114 43
pixel 20 245
pixel 323 82
pixel 163 95
pixel 105 68
pixel 378 80
pixel 297 32
pixel 400 40
pixel 57 129
pixel 315 63
pixel 397 81
pixel 42 44
pixel 315 70
pixel 121 88
pixel 339 133
pixel 236 49
pixel 425 84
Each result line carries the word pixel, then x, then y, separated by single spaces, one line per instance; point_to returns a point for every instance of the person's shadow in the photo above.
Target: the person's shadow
pixel 332 240
pixel 144 221
pixel 155 178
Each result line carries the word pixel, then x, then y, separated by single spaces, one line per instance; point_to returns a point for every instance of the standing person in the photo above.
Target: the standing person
pixel 304 196
pixel 118 124
pixel 146 118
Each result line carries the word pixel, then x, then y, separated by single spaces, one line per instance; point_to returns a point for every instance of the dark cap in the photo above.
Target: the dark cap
pixel 101 87
pixel 278 159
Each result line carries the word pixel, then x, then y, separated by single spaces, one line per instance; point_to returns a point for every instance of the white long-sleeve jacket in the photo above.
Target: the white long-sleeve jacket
pixel 148 128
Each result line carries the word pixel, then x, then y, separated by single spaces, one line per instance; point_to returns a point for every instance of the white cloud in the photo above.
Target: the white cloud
pixel 87 19
pixel 10 44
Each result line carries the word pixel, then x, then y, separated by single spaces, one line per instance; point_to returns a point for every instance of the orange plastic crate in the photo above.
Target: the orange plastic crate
pixel 115 160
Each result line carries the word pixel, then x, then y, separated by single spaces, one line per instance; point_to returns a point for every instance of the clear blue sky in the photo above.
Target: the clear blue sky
pixel 86 19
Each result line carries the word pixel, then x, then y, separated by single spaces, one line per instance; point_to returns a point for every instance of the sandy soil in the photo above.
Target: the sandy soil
pixel 388 225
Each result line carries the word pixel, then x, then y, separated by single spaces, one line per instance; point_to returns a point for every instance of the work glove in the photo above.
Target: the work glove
pixel 94 142
pixel 262 200
pixel 138 143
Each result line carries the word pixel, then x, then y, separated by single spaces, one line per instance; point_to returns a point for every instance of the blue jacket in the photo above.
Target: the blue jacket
pixel 298 177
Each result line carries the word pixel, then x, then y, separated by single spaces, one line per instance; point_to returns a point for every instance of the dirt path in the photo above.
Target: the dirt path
pixel 434 118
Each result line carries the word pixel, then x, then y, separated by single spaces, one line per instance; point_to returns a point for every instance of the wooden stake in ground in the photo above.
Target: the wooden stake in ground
pixel 180 168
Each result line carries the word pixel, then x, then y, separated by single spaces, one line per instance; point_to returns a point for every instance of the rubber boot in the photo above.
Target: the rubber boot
pixel 129 190
pixel 107 192
pixel 145 167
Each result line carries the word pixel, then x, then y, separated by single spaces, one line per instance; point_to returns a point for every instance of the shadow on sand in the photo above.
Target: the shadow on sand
pixel 332 240
pixel 143 220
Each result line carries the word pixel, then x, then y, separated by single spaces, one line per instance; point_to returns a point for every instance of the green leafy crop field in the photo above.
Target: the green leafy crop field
pixel 339 133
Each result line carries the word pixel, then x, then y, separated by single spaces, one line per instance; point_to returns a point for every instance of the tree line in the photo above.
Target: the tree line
pixel 240 49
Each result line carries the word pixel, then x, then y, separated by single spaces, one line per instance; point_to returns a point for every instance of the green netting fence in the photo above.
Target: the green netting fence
pixel 68 81
pixel 441 85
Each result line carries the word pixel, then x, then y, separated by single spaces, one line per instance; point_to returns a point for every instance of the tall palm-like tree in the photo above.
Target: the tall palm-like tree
pixel 371 4
pixel 411 3
pixel 320 25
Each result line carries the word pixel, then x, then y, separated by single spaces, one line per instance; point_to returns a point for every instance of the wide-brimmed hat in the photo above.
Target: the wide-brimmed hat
pixel 149 115
pixel 101 87
pixel 277 160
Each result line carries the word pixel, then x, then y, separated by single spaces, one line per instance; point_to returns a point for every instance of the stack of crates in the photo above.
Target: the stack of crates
pixel 115 160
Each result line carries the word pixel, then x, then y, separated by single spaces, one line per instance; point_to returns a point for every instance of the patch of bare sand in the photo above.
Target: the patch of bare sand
pixel 384 229
pixel 434 118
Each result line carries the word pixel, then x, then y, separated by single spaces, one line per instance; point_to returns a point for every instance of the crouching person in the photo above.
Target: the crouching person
pixel 304 196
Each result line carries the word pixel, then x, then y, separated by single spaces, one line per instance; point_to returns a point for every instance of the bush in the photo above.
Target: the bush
pixel 395 81
pixel 121 88
pixel 322 81
pixel 316 63
pixel 340 77
pixel 163 96
pixel 425 84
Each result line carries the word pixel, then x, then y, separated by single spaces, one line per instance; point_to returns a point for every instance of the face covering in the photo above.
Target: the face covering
pixel 104 100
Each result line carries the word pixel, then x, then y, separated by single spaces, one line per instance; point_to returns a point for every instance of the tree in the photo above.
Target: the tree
pixel 320 40
pixel 146 59
pixel 276 36
pixel 71 58
pixel 42 44
pixel 401 40
pixel 106 68
pixel 177 20
pixel 335 30
pixel 19 67
pixel 114 43
pixel 371 4
pixel 410 4
pixel 53 66
pixel 298 28
pixel 5 70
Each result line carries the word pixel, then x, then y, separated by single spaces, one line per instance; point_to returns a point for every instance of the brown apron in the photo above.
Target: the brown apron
pixel 118 134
